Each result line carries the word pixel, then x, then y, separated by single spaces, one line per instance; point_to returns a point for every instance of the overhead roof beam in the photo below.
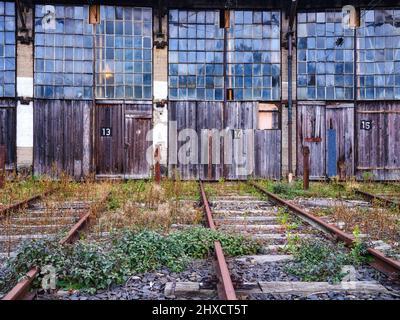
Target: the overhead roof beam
pixel 21 15
pixel 292 13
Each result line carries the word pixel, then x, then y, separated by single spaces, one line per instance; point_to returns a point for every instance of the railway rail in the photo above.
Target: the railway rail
pixel 250 277
pixel 81 214
pixel 259 217
pixel 23 203
pixel 382 263
pixel 387 200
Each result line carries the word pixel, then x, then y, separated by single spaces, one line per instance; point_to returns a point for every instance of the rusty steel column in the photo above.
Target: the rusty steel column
pixel 2 165
pixel 306 168
pixel 157 169
pixel 209 166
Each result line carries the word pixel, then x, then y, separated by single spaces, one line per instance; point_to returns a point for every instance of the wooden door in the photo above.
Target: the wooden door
pixel 311 133
pixel 340 140
pixel 109 139
pixel 137 142
pixel 378 140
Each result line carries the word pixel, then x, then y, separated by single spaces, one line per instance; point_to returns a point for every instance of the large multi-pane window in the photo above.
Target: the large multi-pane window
pixel 254 55
pixel 63 52
pixel 196 44
pixel 196 55
pixel 378 63
pixel 124 53
pixel 325 57
pixel 7 49
pixel 66 46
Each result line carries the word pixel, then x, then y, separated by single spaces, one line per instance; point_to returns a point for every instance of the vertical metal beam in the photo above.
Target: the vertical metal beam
pixel 306 168
pixel 292 14
pixel 157 169
pixel 210 156
pixel 21 16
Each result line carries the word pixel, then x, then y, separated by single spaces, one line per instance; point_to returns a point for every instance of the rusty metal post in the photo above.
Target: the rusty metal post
pixel 306 168
pixel 157 168
pixel 2 165
pixel 209 166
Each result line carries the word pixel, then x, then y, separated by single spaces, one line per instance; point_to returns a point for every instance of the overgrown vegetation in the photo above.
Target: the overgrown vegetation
pixel 378 223
pixel 93 266
pixel 292 190
pixel 317 260
pixel 142 205
pixel 18 188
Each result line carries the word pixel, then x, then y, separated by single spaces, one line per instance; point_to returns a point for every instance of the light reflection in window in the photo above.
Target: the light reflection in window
pixel 124 53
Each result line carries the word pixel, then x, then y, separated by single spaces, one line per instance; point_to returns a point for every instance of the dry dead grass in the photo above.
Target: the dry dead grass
pixel 376 222
pixel 148 205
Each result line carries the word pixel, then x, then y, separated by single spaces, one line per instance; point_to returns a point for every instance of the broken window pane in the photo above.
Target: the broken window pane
pixel 324 47
pixel 379 32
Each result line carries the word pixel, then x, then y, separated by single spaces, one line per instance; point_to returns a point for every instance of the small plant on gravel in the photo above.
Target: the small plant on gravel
pixel 359 251
pixel 292 243
pixel 91 266
pixel 282 216
pixel 316 260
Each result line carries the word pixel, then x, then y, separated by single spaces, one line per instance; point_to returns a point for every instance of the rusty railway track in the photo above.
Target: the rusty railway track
pixel 382 263
pixel 225 287
pixel 21 289
pixel 372 197
pixel 23 203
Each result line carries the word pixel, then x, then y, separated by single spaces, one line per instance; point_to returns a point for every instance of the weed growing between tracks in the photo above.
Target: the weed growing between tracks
pixel 21 188
pixel 377 223
pixel 317 260
pixel 139 205
pixel 93 266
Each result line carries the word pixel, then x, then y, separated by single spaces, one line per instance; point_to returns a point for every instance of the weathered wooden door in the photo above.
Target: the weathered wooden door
pixel 8 130
pixel 378 140
pixel 311 133
pixel 109 139
pixel 138 151
pixel 340 140
pixel 121 140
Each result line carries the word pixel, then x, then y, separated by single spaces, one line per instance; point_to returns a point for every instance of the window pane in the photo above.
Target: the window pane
pixel 256 52
pixel 124 53
pixel 378 64
pixel 325 59
pixel 7 49
pixel 65 66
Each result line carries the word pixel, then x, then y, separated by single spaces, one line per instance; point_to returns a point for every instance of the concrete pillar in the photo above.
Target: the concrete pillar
pixel 160 85
pixel 25 91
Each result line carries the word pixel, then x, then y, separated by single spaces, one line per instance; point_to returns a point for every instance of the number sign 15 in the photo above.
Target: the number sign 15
pixel 366 125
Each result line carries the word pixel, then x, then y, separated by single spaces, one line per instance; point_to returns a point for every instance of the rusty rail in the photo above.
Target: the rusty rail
pixel 372 197
pixel 384 264
pixel 21 204
pixel 225 285
pixel 21 290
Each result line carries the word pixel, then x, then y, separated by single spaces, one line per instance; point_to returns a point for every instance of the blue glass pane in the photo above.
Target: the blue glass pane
pixel 378 62
pixel 7 49
pixel 325 55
